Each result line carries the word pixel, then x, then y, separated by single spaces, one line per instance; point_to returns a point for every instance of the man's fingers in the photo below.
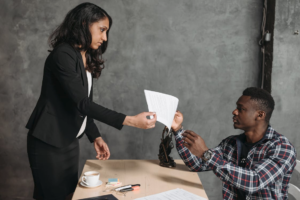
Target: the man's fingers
pixel 189 136
pixel 188 141
pixel 178 113
pixel 187 145
pixel 191 133
pixel 187 132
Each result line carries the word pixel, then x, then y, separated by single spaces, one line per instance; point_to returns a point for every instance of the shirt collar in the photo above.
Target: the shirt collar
pixel 269 134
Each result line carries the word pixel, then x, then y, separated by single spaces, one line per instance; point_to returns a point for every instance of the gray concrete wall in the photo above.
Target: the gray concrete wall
pixel 203 52
pixel 286 74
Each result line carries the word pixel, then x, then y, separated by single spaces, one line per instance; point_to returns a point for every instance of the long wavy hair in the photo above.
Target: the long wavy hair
pixel 74 30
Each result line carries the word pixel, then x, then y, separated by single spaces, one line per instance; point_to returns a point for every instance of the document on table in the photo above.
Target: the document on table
pixel 177 194
pixel 164 105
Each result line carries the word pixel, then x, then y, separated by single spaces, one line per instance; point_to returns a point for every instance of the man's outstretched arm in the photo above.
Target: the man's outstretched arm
pixel 279 160
pixel 193 162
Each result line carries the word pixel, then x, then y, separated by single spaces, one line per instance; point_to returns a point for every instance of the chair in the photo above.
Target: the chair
pixel 294 190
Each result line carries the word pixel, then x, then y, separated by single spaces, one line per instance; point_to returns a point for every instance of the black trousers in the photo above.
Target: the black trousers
pixel 54 170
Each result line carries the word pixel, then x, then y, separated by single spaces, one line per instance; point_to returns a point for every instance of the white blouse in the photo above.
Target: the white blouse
pixel 89 78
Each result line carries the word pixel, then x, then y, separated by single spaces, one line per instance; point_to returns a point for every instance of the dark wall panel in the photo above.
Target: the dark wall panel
pixel 286 74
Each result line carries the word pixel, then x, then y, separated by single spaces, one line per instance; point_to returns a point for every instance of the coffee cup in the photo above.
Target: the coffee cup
pixel 90 178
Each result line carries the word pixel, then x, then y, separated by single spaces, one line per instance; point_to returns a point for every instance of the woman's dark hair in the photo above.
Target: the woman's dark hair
pixel 74 30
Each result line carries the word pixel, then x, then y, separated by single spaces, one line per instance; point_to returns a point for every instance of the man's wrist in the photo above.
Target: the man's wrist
pixel 178 132
pixel 177 128
pixel 207 154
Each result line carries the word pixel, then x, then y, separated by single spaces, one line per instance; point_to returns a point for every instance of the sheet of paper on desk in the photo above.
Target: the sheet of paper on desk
pixel 164 105
pixel 177 194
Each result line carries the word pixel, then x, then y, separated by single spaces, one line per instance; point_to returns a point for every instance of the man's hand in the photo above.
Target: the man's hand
pixel 177 121
pixel 101 148
pixel 194 143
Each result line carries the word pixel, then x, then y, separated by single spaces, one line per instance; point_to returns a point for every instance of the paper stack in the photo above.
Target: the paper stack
pixel 164 105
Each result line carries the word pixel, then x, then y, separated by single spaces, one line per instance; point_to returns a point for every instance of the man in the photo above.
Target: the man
pixel 256 164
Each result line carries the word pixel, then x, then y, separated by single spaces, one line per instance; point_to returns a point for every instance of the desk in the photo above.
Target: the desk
pixel 152 177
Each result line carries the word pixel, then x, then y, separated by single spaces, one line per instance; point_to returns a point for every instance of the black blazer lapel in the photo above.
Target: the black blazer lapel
pixel 83 72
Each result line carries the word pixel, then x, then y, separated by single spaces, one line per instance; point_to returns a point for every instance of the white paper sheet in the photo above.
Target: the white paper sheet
pixel 177 194
pixel 164 105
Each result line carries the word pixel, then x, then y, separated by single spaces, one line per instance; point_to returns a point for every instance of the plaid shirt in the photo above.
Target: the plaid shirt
pixel 268 168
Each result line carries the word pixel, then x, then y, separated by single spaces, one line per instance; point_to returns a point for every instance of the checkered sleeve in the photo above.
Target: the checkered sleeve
pixel 191 161
pixel 280 159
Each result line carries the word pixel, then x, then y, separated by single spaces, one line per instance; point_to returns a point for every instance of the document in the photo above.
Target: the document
pixel 164 105
pixel 177 194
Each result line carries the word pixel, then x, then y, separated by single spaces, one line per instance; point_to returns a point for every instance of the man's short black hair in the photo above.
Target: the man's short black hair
pixel 263 98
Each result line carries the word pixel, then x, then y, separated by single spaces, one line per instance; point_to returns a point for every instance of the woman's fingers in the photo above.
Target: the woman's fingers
pixel 102 149
pixel 97 151
pixel 152 121
pixel 107 152
pixel 151 114
pixel 143 122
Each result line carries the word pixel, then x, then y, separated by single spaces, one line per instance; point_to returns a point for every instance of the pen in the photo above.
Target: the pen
pixel 126 190
pixel 126 186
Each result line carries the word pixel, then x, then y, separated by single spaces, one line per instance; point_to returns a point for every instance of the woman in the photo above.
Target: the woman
pixel 65 109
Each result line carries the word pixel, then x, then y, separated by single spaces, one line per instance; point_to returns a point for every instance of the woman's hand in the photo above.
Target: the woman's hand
pixel 101 148
pixel 177 121
pixel 141 121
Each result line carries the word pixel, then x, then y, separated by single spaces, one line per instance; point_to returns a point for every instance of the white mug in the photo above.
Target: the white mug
pixel 90 178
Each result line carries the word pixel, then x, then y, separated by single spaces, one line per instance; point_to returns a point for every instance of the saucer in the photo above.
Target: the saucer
pixel 91 186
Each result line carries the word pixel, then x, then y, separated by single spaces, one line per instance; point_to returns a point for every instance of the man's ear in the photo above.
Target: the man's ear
pixel 261 115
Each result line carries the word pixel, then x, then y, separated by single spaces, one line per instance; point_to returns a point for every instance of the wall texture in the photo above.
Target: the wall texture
pixel 203 52
pixel 286 74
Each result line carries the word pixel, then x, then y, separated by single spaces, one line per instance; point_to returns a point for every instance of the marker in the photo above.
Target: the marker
pixel 135 187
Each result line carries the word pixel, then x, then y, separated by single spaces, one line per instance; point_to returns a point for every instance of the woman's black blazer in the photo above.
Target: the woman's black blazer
pixel 64 102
